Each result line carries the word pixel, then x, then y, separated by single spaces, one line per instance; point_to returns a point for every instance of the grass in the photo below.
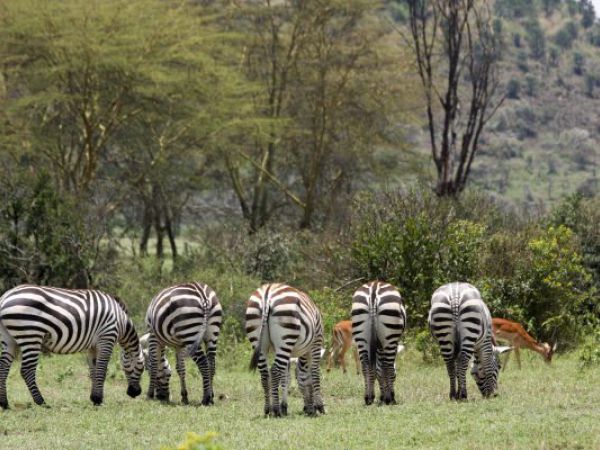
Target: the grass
pixel 537 407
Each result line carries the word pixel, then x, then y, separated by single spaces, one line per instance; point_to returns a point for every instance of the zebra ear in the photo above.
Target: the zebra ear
pixel 502 349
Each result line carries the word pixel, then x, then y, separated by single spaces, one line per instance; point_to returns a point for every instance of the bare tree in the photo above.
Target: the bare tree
pixel 456 55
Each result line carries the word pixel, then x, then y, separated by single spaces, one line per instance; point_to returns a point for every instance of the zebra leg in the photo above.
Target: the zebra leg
pixel 356 360
pixel 104 350
pixel 153 365
pixel 451 368
pixel 315 373
pixel 91 360
pixel 181 372
pixel 285 385
pixel 463 365
pixel 9 352
pixel 278 374
pixel 265 381
pixel 202 362
pixel 369 376
pixel 31 354
pixel 211 354
pixel 304 379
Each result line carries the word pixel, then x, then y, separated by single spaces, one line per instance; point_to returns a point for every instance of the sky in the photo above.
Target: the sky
pixel 596 7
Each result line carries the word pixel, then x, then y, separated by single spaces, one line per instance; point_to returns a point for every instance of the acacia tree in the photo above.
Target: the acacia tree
pixel 456 55
pixel 327 95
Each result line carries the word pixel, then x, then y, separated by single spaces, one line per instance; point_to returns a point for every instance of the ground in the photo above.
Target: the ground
pixel 539 406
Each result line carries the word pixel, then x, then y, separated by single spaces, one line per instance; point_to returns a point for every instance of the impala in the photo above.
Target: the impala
pixel 515 334
pixel 341 341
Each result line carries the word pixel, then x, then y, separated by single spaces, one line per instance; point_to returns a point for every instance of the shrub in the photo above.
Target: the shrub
pixel 513 88
pixel 427 346
pixel 589 352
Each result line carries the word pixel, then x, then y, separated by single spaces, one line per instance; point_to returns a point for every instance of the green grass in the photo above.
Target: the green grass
pixel 537 407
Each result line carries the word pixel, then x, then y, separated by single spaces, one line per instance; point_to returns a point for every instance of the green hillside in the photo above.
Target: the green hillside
pixel 543 141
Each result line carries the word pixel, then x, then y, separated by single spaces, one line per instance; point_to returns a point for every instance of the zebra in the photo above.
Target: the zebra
pixel 184 316
pixel 35 319
pixel 378 322
pixel 461 323
pixel 287 320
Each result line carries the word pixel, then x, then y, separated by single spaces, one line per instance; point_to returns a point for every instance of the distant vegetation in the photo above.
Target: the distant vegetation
pixel 148 142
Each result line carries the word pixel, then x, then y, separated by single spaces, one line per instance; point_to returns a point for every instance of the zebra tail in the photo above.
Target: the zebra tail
pixel 373 331
pixel 193 348
pixel 262 337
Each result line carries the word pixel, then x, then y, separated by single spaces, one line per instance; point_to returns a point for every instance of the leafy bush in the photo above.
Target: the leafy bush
pixel 428 347
pixel 589 352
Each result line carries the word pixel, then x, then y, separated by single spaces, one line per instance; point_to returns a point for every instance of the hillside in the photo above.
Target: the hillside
pixel 543 142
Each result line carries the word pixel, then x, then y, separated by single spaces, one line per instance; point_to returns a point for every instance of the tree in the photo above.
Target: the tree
pixel 94 91
pixel 319 122
pixel 455 38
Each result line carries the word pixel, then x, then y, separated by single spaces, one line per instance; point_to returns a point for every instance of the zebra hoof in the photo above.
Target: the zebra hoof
pixel 96 399
pixel 276 411
pixel 163 396
pixel 134 391
pixel 267 411
pixel 4 405
pixel 309 410
pixel 284 409
pixel 185 400
pixel 320 408
pixel 369 400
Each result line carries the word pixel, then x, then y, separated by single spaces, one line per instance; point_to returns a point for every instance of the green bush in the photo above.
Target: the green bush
pixel 589 352
pixel 428 347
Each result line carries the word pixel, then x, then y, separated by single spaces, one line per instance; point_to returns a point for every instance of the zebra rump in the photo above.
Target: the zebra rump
pixel 186 317
pixel 378 322
pixel 285 319
pixel 462 325
pixel 35 319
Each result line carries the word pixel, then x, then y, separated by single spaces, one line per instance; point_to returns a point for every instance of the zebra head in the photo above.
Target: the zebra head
pixel 485 370
pixel 132 361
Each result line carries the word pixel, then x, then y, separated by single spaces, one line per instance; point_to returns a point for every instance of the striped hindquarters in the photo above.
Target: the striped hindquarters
pixel 378 318
pixel 284 317
pixel 185 315
pixel 378 322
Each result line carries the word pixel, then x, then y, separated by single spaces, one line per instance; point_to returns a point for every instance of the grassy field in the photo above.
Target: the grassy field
pixel 538 407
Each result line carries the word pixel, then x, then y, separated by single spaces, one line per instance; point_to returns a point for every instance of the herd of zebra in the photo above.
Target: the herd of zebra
pixel 281 318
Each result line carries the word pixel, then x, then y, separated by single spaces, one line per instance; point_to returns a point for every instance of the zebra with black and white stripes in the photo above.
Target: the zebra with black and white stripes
pixel 462 325
pixel 36 318
pixel 186 317
pixel 378 322
pixel 287 320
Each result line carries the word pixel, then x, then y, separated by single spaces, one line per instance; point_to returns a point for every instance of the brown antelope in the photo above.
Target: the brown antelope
pixel 515 334
pixel 341 341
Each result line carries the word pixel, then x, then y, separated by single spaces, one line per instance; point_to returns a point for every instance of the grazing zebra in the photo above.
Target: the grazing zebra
pixel 184 316
pixel 35 318
pixel 462 325
pixel 378 321
pixel 287 320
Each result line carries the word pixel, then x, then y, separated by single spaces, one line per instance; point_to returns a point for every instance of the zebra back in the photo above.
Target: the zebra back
pixel 69 319
pixel 293 311
pixel 185 315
